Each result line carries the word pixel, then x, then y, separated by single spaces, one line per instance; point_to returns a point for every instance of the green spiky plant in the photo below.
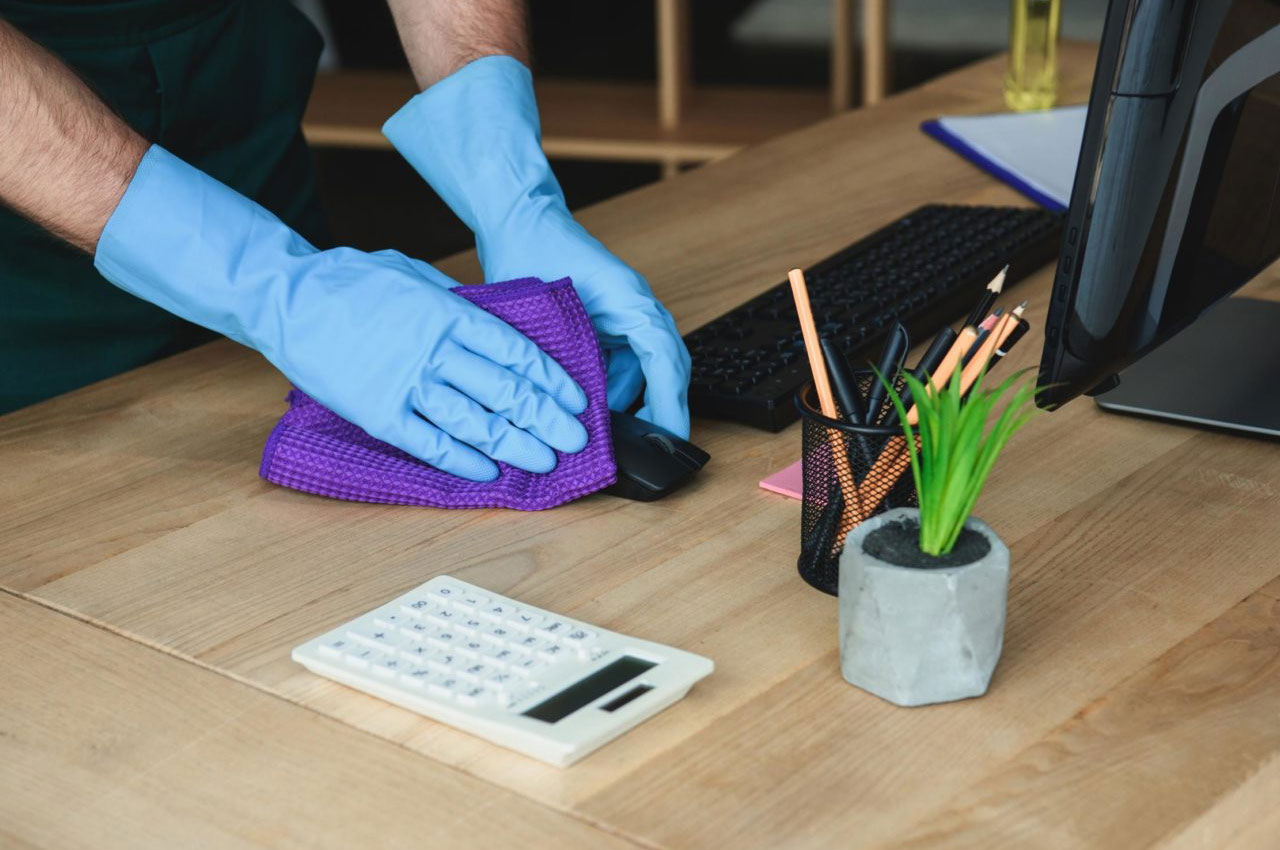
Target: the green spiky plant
pixel 957 446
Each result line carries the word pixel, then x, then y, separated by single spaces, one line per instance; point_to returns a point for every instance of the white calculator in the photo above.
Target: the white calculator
pixel 524 678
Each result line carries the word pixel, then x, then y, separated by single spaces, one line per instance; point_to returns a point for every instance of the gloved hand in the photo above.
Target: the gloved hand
pixel 475 137
pixel 377 338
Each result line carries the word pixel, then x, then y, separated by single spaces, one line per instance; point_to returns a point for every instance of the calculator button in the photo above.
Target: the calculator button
pixel 554 652
pixel 444 591
pixel 416 607
pixel 361 656
pixel 445 616
pixel 527 666
pixel 420 653
pixel 388 620
pixel 555 628
pixel 417 631
pixel 445 639
pixel 472 623
pixel 416 679
pixel 471 599
pixel 436 684
pixel 501 681
pixel 491 651
pixel 499 632
pixel 504 655
pixel 388 667
pixel 521 692
pixel 334 648
pixel 446 662
pixel 533 643
pixel 527 620
pixel 578 635
pixel 472 696
pixel 476 671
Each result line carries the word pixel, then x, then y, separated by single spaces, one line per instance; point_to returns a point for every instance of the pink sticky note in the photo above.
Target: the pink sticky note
pixel 789 482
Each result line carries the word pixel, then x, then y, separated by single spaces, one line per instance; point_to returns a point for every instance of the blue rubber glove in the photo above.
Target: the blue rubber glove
pixel 475 137
pixel 378 338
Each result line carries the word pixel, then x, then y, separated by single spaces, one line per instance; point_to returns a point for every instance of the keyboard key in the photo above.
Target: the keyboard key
pixel 500 610
pixel 388 620
pixel 471 599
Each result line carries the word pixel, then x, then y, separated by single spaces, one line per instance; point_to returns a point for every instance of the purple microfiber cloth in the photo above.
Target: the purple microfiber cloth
pixel 315 450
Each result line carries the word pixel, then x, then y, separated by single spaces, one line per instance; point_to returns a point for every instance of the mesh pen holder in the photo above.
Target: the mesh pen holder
pixel 851 473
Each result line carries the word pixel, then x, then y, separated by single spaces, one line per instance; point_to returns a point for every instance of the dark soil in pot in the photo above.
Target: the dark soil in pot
pixel 898 543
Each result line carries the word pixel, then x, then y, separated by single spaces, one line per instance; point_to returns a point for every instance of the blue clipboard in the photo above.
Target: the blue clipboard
pixel 960 146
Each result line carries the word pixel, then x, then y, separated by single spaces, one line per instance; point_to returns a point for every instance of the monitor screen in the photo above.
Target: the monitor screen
pixel 1176 201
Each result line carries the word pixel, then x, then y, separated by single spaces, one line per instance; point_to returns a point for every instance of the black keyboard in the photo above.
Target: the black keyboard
pixel 925 270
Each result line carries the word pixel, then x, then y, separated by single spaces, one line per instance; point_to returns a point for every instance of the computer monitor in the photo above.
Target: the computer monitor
pixel 1176 204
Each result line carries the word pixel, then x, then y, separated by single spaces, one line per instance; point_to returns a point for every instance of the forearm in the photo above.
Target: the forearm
pixel 440 36
pixel 65 158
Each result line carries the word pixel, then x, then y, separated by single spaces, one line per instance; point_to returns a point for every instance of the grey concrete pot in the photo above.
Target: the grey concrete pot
pixel 916 636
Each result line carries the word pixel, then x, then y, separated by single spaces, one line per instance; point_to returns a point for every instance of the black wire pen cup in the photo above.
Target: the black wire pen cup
pixel 851 473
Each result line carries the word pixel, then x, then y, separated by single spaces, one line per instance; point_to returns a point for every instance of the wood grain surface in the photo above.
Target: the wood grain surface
pixel 1136 704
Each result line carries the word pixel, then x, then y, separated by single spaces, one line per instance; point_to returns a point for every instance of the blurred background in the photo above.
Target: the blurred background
pixel 635 90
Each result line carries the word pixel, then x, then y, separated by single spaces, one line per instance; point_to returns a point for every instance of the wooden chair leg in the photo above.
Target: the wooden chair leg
pixel 875 51
pixel 841 55
pixel 673 60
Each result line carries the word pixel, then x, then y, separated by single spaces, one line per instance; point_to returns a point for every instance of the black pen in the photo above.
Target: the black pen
pixel 929 362
pixel 1017 334
pixel 895 349
pixel 845 388
pixel 842 383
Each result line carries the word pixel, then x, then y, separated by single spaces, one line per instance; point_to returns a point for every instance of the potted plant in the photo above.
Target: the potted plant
pixel 922 590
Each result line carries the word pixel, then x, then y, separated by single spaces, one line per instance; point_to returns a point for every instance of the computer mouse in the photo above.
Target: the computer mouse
pixel 652 462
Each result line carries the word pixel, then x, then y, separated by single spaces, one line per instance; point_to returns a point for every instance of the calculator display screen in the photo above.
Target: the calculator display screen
pixel 583 691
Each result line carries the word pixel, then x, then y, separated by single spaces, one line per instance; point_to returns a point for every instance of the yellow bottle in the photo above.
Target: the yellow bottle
pixel 1032 79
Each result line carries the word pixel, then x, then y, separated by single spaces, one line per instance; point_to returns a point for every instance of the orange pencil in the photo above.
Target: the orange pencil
pixel 895 466
pixel 822 385
pixel 982 356
pixel 873 488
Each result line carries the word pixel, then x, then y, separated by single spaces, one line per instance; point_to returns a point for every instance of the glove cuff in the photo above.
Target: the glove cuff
pixel 195 247
pixel 475 137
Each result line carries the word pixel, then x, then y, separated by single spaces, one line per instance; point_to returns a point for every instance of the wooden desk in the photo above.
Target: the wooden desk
pixel 155 587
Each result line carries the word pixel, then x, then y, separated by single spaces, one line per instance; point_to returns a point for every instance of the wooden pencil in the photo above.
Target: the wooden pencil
pixel 826 401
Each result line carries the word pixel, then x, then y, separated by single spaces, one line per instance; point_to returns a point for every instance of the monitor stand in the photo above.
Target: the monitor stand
pixel 1221 372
